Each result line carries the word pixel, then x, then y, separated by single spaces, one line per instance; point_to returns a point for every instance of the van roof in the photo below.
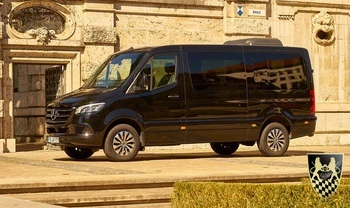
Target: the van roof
pixel 264 42
pixel 255 42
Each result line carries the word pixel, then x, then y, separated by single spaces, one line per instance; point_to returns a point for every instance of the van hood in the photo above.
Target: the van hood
pixel 81 97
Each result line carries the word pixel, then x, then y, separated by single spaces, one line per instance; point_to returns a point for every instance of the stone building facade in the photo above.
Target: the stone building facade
pixel 49 47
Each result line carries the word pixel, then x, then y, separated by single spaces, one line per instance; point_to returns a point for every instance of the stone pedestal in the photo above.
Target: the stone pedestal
pixel 7 145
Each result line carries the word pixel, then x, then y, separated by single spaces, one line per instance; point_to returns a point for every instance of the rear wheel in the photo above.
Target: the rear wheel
pixel 78 153
pixel 225 148
pixel 274 140
pixel 122 143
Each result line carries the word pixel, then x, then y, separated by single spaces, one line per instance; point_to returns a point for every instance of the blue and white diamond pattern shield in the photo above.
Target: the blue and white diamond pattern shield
pixel 240 10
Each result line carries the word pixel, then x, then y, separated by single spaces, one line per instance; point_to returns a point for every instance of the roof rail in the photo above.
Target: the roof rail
pixel 255 42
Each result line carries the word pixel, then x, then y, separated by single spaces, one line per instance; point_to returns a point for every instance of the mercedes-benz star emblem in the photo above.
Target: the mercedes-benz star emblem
pixel 54 114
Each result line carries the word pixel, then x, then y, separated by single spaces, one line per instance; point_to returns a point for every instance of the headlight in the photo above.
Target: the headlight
pixel 91 108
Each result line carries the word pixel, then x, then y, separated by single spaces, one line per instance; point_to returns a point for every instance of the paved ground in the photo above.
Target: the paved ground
pixel 45 167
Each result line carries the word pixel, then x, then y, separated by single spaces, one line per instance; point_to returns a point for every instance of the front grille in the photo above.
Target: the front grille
pixel 58 115
pixel 57 130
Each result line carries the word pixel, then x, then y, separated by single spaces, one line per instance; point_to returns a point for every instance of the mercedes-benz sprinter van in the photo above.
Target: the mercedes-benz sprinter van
pixel 226 95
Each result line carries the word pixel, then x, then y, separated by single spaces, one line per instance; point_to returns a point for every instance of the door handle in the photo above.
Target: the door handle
pixel 174 97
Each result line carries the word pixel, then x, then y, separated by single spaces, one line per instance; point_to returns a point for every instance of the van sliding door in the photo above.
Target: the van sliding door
pixel 216 97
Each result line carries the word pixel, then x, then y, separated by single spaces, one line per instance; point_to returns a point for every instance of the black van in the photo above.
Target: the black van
pixel 225 95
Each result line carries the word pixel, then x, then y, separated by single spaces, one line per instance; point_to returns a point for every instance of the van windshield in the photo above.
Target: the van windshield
pixel 114 71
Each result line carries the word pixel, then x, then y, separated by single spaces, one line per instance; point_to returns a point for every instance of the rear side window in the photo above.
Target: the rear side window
pixel 275 71
pixel 217 70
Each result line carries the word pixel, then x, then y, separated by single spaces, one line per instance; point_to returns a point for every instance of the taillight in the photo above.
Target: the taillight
pixel 312 103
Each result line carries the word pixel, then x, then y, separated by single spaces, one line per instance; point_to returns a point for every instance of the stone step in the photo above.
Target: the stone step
pixel 70 186
pixel 124 197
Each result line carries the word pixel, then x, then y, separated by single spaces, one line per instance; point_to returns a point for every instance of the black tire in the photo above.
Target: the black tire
pixel 225 148
pixel 274 140
pixel 78 153
pixel 122 143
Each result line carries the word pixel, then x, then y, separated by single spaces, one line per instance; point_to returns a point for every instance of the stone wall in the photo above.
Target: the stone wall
pixel 322 28
pixel 131 23
pixel 140 24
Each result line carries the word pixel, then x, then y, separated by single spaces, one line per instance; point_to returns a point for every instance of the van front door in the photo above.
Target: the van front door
pixel 161 99
pixel 216 95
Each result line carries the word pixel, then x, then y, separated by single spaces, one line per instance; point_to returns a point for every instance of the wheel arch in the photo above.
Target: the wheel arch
pixel 118 121
pixel 279 119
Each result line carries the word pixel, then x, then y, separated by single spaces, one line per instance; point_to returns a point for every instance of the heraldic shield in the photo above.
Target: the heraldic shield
pixel 325 172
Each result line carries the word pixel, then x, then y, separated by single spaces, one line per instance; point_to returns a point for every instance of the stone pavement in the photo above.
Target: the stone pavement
pixel 42 168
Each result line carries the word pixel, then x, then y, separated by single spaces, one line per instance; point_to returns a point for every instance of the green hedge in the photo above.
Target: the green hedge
pixel 215 194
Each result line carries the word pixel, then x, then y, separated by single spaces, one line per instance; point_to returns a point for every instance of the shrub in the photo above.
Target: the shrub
pixel 216 194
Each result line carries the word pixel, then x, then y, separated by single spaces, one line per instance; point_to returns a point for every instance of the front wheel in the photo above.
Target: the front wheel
pixel 122 143
pixel 274 140
pixel 225 148
pixel 78 153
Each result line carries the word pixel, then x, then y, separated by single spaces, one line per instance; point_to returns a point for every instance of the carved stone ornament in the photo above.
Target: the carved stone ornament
pixel 42 35
pixel 41 20
pixel 236 26
pixel 95 34
pixel 323 28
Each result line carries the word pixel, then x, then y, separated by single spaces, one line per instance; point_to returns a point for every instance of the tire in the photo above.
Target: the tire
pixel 78 153
pixel 225 148
pixel 122 143
pixel 274 140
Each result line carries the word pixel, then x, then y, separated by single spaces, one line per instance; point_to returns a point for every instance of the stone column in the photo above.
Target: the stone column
pixel 7 142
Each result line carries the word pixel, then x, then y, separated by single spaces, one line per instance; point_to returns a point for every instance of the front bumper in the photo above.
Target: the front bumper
pixel 75 140
pixel 81 131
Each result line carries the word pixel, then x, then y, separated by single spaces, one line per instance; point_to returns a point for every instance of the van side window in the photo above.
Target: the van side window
pixel 217 70
pixel 159 71
pixel 164 68
pixel 275 71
